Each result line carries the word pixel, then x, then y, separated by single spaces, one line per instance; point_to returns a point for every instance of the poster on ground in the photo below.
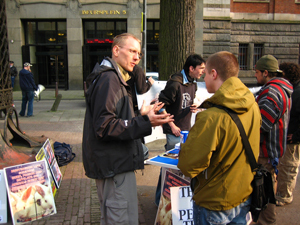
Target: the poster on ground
pixel 41 156
pixel 29 192
pixel 164 212
pixel 53 165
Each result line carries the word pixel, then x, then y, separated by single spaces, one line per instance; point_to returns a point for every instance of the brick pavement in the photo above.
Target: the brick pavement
pixel 76 200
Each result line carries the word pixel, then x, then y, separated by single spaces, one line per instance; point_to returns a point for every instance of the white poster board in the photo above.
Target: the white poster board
pixel 201 95
pixel 182 205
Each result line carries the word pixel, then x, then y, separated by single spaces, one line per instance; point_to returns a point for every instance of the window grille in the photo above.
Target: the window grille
pixel 257 53
pixel 242 57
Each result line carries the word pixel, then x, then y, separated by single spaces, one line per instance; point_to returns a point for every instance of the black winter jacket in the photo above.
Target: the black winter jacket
pixel 294 123
pixel 26 81
pixel 178 98
pixel 111 135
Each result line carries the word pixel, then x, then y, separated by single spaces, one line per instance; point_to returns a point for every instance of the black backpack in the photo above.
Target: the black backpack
pixel 63 153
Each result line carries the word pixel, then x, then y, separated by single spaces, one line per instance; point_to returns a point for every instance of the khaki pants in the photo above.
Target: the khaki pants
pixel 118 199
pixel 268 216
pixel 288 171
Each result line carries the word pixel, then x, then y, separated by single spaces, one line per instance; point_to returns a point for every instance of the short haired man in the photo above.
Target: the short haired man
pixel 13 73
pixel 289 163
pixel 178 96
pixel 213 154
pixel 28 86
pixel 274 100
pixel 111 144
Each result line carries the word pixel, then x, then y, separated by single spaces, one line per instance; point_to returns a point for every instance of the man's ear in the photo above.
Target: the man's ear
pixel 191 69
pixel 214 74
pixel 115 50
pixel 265 73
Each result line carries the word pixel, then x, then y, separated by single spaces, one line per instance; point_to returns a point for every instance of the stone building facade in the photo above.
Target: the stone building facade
pixel 64 38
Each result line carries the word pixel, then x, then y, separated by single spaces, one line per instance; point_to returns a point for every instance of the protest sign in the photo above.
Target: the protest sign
pixel 182 205
pixel 164 212
pixel 29 192
pixel 54 168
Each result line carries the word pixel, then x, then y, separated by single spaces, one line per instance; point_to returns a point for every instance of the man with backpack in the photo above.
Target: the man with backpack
pixel 213 154
pixel 274 100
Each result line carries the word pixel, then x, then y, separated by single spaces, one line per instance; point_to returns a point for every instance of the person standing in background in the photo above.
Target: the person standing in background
pixel 290 161
pixel 139 85
pixel 13 73
pixel 274 101
pixel 178 97
pixel 28 86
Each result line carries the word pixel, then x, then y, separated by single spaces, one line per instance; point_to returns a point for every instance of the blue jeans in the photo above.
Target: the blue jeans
pixel 236 215
pixel 172 140
pixel 27 96
pixel 12 81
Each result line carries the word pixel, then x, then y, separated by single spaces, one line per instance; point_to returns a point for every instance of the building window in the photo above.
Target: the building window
pixel 152 31
pixel 257 53
pixel 242 57
pixel 103 31
pixel 152 45
pixel 45 32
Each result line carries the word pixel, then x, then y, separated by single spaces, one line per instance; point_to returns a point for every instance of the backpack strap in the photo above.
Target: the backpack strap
pixel 245 139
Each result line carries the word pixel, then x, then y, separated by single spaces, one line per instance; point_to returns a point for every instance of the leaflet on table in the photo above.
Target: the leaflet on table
pixel 47 152
pixel 29 192
pixel 168 159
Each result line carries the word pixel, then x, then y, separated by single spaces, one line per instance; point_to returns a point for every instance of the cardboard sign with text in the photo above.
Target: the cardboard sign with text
pixel 182 205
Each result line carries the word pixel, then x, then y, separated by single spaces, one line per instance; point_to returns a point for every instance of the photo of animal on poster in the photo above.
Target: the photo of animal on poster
pixel 29 192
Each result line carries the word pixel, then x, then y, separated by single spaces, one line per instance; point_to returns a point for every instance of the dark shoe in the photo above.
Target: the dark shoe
pixel 21 115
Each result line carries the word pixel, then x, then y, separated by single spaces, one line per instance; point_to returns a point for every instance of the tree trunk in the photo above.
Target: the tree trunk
pixel 177 35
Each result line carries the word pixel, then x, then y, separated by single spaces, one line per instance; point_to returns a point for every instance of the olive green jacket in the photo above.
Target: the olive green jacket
pixel 214 151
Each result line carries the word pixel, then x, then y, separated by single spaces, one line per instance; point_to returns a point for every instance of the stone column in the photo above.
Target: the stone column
pixel 199 27
pixel 75 43
pixel 134 9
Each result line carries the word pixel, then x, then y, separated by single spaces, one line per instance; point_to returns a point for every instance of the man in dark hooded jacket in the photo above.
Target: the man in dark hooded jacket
pixel 28 87
pixel 111 145
pixel 178 97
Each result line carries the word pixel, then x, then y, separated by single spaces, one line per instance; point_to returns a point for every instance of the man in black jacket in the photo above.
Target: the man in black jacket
pixel 28 87
pixel 178 97
pixel 111 144
pixel 13 73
